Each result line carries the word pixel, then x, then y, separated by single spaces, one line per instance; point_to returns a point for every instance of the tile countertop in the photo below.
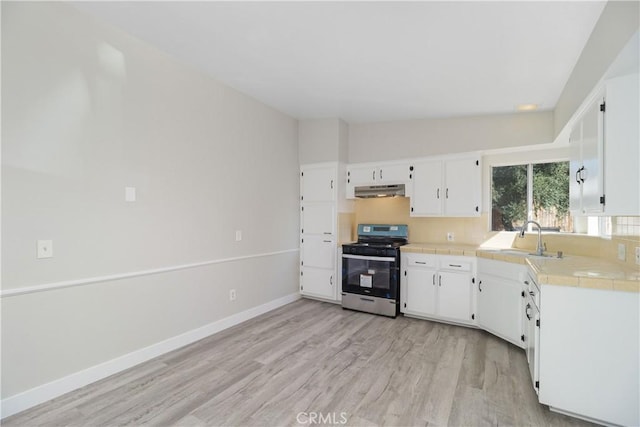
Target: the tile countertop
pixel 572 270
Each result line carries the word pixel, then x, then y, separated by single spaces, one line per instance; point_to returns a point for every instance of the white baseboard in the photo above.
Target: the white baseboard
pixel 30 398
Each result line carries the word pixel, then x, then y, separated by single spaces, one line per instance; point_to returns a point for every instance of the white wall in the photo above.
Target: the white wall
pixel 425 137
pixel 88 110
pixel 322 140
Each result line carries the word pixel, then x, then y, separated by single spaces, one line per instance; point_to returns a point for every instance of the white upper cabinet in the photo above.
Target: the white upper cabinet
pixel 318 184
pixel 446 187
pixel 605 148
pixel 622 146
pixel 426 191
pixel 376 174
pixel 586 188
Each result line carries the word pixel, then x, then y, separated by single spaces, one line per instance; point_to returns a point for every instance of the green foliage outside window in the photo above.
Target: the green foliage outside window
pixel 550 196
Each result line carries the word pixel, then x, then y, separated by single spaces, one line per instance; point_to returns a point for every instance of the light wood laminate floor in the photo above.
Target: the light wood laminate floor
pixel 315 357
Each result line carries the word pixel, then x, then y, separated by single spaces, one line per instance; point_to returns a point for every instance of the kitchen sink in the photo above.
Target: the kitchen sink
pixel 522 253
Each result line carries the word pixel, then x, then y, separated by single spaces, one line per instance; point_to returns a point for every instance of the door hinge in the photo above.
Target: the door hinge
pixel 602 199
pixel 537 384
pixel 522 338
pixel 538 323
pixel 602 107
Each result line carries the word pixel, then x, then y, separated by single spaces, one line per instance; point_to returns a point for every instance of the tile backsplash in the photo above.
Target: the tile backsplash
pixel 475 231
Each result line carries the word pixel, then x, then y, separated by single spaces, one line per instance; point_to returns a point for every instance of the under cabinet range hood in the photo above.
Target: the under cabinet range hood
pixel 371 191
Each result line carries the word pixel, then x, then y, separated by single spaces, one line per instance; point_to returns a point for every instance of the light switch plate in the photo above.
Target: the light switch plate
pixel 45 249
pixel 129 194
pixel 622 252
pixel 450 236
pixel 238 235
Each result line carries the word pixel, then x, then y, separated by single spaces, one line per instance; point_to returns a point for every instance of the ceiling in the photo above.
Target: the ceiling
pixel 372 61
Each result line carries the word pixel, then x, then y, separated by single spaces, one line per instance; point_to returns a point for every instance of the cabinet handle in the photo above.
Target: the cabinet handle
pixel 582 178
pixel 331 280
pixel 526 311
pixel 455 265
pixel 439 280
pixel 326 232
pixel 578 179
pixel 373 175
pixel 438 193
pixel 480 285
pixel 526 282
pixel 533 294
pixel 434 280
pixel 420 262
pixel 381 174
pixel 327 241
pixel 447 194
pixel 332 184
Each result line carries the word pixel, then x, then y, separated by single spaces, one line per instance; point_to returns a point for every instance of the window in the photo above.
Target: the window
pixel 538 192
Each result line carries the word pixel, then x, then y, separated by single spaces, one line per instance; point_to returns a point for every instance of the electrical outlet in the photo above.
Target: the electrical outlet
pixel 232 295
pixel 622 252
pixel 449 236
pixel 638 255
pixel 44 249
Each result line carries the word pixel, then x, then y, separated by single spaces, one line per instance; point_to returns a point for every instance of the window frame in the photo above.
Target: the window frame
pixel 529 164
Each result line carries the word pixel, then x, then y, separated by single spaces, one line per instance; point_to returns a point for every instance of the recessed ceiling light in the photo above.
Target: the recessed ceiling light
pixel 527 107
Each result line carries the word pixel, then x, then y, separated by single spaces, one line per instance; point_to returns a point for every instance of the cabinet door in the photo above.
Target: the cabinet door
pixel 463 187
pixel 393 174
pixel 454 295
pixel 362 175
pixel 318 282
pixel 317 184
pixel 420 291
pixel 500 305
pixel 426 194
pixel 591 174
pixel 575 163
pixel 318 218
pixel 318 251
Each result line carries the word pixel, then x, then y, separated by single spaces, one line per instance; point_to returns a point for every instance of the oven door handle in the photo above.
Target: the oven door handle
pixel 371 258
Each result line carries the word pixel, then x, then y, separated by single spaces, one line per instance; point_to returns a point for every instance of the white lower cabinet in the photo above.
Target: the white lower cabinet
pixel 318 282
pixel 438 287
pixel 590 353
pixel 500 299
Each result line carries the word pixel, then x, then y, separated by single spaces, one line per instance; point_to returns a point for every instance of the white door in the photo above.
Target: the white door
pixel 454 295
pixel 318 218
pixel 500 307
pixel 393 174
pixel 420 288
pixel 427 194
pixel 462 187
pixel 318 251
pixel 317 184
pixel 318 282
pixel 575 165
pixel 361 175
pixel 591 175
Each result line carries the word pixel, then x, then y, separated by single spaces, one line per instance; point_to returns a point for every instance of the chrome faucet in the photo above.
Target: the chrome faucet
pixel 540 248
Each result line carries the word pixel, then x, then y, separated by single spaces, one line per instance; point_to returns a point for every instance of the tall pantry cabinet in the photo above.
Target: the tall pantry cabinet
pixel 321 201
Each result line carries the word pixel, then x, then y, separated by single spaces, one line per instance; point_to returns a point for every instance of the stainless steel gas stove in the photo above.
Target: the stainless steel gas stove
pixel 371 269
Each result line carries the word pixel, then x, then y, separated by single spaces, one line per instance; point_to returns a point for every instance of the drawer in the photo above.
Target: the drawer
pixel 421 260
pixel 454 264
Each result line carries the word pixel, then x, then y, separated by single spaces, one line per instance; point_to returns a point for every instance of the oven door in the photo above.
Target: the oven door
pixel 370 275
